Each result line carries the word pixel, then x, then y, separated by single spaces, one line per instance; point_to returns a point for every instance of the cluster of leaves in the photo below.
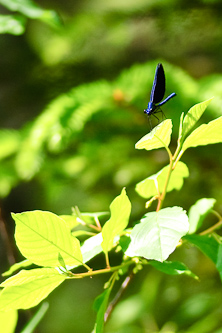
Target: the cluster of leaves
pixel 15 23
pixel 51 242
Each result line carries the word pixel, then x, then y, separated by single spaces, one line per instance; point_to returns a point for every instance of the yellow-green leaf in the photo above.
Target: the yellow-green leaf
pixel 27 288
pixel 41 236
pixel 193 115
pixel 159 137
pixel 154 184
pixel 205 134
pixel 120 212
pixel 8 321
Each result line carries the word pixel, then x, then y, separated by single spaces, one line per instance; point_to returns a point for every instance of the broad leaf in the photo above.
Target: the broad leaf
pixel 205 134
pixel 159 137
pixel 147 188
pixel 41 236
pixel 8 321
pixel 100 305
pixel 198 212
pixel 120 210
pixel 173 268
pixel 158 234
pixel 193 115
pixel 207 244
pixel 28 288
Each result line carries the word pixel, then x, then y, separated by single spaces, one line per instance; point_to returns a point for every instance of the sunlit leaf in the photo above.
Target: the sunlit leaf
pixel 8 321
pixel 158 234
pixel 193 115
pixel 198 212
pixel 159 137
pixel 90 248
pixel 41 236
pixel 28 288
pixel 173 268
pixel 120 210
pixel 148 187
pixel 205 134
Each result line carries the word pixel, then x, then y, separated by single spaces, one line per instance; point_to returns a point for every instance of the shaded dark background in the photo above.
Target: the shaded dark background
pixel 97 41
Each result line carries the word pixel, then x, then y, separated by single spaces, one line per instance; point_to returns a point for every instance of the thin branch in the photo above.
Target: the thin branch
pixel 100 271
pixel 211 229
pixel 116 299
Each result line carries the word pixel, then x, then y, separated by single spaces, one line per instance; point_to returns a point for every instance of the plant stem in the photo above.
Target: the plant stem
pixel 211 229
pixel 101 271
pixel 107 260
pixel 162 197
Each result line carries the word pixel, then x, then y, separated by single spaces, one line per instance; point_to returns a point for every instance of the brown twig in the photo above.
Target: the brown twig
pixel 6 241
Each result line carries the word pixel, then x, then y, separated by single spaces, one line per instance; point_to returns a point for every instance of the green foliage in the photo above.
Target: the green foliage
pixel 27 288
pixel 172 268
pixel 15 24
pixel 158 138
pixel 55 236
pixel 120 210
pixel 205 134
pixel 154 184
pixel 8 321
pixel 50 242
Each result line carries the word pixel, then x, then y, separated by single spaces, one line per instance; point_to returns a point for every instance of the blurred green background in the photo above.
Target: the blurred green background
pixel 75 79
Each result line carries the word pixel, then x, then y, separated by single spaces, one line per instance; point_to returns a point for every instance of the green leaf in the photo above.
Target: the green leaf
pixel 8 321
pixel 41 236
pixel 159 137
pixel 147 187
pixel 90 248
pixel 219 260
pixel 17 266
pixel 100 305
pixel 173 268
pixel 158 234
pixel 28 288
pixel 193 115
pixel 120 210
pixel 198 212
pixel 205 134
pixel 206 243
pixel 12 24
